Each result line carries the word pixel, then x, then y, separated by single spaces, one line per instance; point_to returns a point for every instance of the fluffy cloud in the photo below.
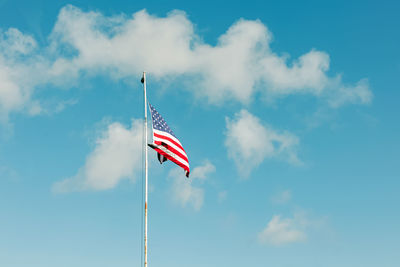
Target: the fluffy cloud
pixel 188 192
pixel 15 85
pixel 249 142
pixel 238 66
pixel 116 156
pixel 280 231
pixel 241 59
pixel 201 172
pixel 13 42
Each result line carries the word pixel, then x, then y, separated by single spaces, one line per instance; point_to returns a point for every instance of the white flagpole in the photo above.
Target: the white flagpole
pixel 145 166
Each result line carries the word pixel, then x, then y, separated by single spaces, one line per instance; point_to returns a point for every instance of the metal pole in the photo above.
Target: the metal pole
pixel 145 166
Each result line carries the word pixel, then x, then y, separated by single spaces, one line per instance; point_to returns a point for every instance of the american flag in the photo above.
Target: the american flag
pixel 166 144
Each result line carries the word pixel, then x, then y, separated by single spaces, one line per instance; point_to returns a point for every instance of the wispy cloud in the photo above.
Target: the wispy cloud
pixel 115 157
pixel 15 85
pixel 89 43
pixel 201 172
pixel 249 142
pixel 280 231
pixel 189 192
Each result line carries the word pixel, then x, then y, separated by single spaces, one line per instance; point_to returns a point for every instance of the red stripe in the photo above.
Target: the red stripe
pixel 172 159
pixel 173 150
pixel 169 139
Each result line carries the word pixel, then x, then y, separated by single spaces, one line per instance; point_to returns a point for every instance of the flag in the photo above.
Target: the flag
pixel 166 143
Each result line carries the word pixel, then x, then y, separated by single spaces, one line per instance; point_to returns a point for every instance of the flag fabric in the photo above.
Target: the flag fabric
pixel 166 143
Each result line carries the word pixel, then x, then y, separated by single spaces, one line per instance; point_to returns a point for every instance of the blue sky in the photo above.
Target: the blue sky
pixel 288 112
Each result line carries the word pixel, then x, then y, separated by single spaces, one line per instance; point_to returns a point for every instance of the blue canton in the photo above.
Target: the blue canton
pixel 158 122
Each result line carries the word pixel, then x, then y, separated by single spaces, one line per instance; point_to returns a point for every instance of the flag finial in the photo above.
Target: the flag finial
pixel 143 77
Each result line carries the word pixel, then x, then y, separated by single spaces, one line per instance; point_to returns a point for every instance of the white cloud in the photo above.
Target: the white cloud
pixel 188 192
pixel 360 93
pixel 241 59
pixel 249 142
pixel 21 70
pixel 280 231
pixel 239 65
pixel 116 157
pixel 184 193
pixel 201 172
pixel 11 96
pixel 282 197
pixel 15 43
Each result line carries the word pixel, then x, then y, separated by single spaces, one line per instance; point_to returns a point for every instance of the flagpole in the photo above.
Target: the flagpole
pixel 145 166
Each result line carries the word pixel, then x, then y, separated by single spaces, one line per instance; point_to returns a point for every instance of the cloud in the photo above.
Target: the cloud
pixel 280 231
pixel 249 142
pixel 115 157
pixel 14 43
pixel 241 64
pixel 282 197
pixel 188 192
pixel 360 93
pixel 241 59
pixel 201 172
pixel 14 88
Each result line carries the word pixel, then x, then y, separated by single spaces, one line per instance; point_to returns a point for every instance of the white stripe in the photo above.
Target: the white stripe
pixel 184 162
pixel 168 135
pixel 155 138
